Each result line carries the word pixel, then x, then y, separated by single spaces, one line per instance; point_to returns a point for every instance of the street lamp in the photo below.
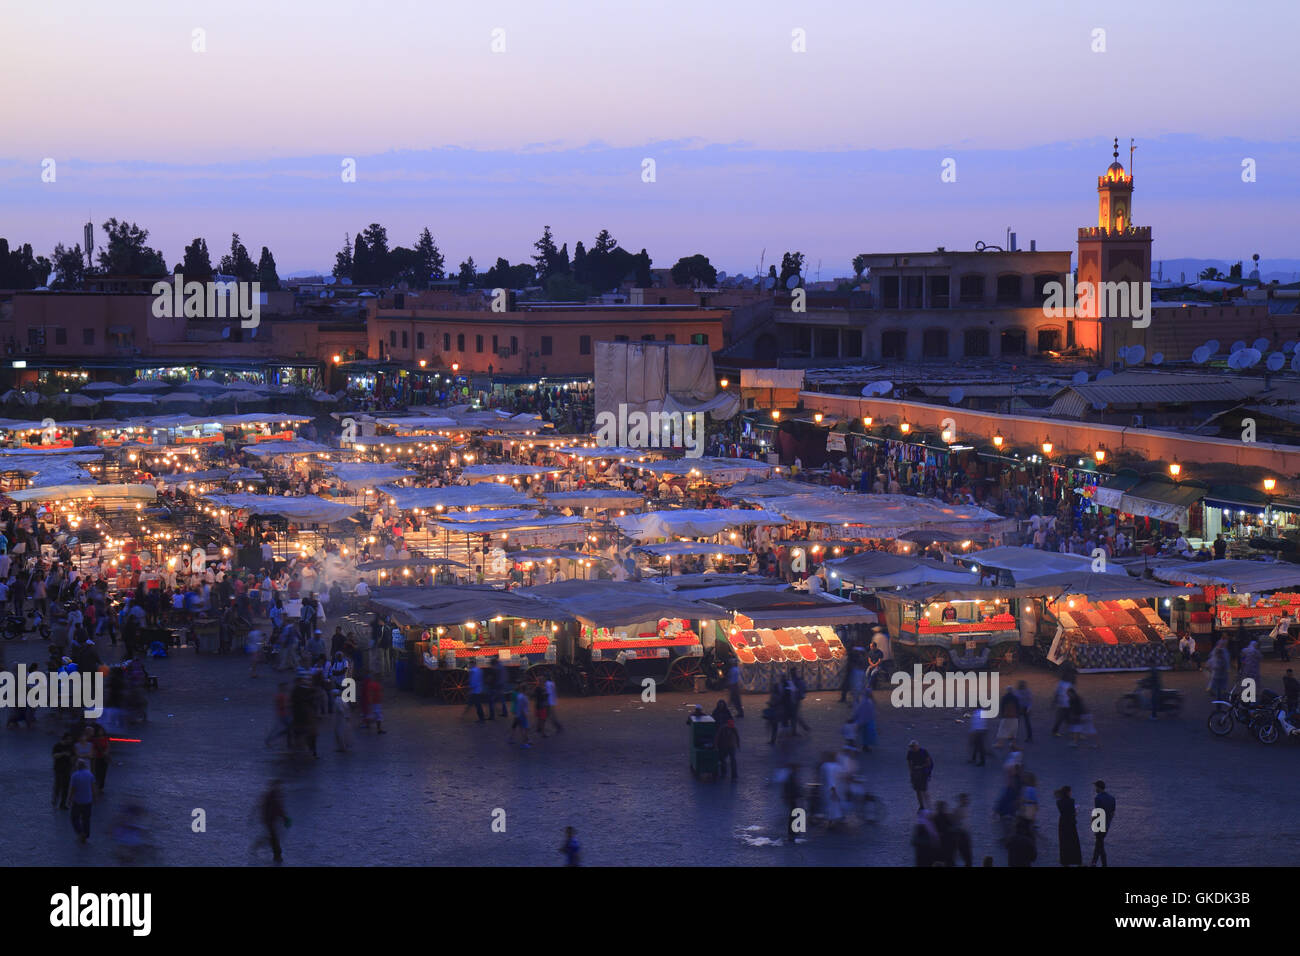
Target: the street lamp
pixel 1100 455
pixel 817 417
pixel 1270 484
pixel 867 421
pixel 998 440
pixel 723 383
pixel 904 426
pixel 776 414
pixel 1047 447
pixel 946 435
pixel 1175 469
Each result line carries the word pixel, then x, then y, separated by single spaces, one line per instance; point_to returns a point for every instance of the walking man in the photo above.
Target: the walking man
pixel 920 765
pixel 1062 701
pixel 727 743
pixel 273 816
pixel 82 791
pixel 733 688
pixel 1106 804
pixel 1025 700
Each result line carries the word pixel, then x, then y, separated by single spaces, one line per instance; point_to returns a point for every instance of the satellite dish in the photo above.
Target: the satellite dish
pixel 1288 346
pixel 1099 406
pixel 722 276
pixel 1213 346
pixel 1275 362
pixel 792 282
pixel 1080 378
pixel 769 282
pixel 1250 357
pixel 1158 358
pixel 877 388
pixel 1295 362
pixel 1104 373
pixel 1134 354
pixel 955 396
pixel 1234 360
pixel 1260 344
pixel 330 280
pixel 1237 346
pixel 1201 355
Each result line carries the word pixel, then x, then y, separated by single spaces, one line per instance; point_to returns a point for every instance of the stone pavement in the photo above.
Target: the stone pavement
pixel 425 793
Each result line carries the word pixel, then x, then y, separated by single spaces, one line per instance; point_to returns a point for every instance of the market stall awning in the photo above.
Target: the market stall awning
pixel 880 516
pixel 456 496
pixel 617 603
pixel 947 593
pixel 718 470
pixel 677 549
pixel 598 498
pixel 1107 587
pixel 447 605
pixel 1243 576
pixel 493 472
pixel 368 474
pixel 100 492
pixel 306 508
pixel 1027 565
pixel 879 569
pixel 299 446
pixel 692 523
pixel 1167 501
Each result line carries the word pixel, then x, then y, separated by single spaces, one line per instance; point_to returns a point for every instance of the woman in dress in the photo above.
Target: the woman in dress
pixel 1067 829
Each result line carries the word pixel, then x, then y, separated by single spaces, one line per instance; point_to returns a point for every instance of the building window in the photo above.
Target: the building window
pixel 584 344
pixel 620 338
pixel 1013 342
pixel 939 292
pixel 700 338
pixel 893 344
pixel 60 336
pixel 514 345
pixel 647 338
pixel 446 341
pixel 1040 287
pixel 912 292
pixel 496 345
pixel 828 343
pixel 934 343
pixel 1049 340
pixel 889 292
pixel 670 337
pixel 1008 289
pixel 972 290
pixel 87 336
pixel 419 340
pixel 478 343
pixel 406 340
pixel 976 343
pixel 663 300
pixel 392 339
pixel 460 342
pixel 546 345
pixel 852 347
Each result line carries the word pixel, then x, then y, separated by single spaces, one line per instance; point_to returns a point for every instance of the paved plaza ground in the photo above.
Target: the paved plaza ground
pixel 425 793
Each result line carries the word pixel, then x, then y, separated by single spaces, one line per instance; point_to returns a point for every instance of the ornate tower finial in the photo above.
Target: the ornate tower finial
pixel 1117 149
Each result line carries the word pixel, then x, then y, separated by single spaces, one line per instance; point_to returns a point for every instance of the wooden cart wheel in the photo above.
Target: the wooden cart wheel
pixel 1004 658
pixel 608 677
pixel 535 677
pixel 934 659
pixel 454 687
pixel 682 673
pixel 904 658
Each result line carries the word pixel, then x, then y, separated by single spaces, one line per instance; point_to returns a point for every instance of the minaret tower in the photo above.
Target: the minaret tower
pixel 1114 250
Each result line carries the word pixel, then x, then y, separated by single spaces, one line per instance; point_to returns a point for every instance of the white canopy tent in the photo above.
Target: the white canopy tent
pixel 692 523
pixel 306 508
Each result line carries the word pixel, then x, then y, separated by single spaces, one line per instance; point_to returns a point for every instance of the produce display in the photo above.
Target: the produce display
pixel 1112 623
pixel 764 645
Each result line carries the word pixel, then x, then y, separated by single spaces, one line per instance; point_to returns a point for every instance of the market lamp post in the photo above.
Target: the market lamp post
pixel 1269 485
pixel 1175 469
pixel 904 426
pixel 1100 455
pixel 998 440
pixel 1047 447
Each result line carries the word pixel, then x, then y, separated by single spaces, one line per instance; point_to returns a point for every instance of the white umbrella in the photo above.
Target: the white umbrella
pixel 182 398
pixel 101 387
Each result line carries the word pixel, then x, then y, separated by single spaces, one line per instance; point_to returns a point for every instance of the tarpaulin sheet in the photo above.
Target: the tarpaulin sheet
pixel 456 496
pixel 692 523
pixel 307 508
pixel 617 603
pixel 1245 576
pixel 368 474
pixel 879 569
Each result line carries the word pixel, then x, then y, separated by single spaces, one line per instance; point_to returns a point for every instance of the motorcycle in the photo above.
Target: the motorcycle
pixel 1275 723
pixel 1228 713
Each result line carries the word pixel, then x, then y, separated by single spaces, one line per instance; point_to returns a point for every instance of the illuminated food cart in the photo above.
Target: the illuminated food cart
pixel 630 631
pixel 1242 600
pixel 1106 622
pixel 467 626
pixel 970 627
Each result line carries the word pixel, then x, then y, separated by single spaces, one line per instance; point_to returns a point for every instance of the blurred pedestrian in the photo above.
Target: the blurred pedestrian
pixel 920 766
pixel 1067 829
pixel 82 791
